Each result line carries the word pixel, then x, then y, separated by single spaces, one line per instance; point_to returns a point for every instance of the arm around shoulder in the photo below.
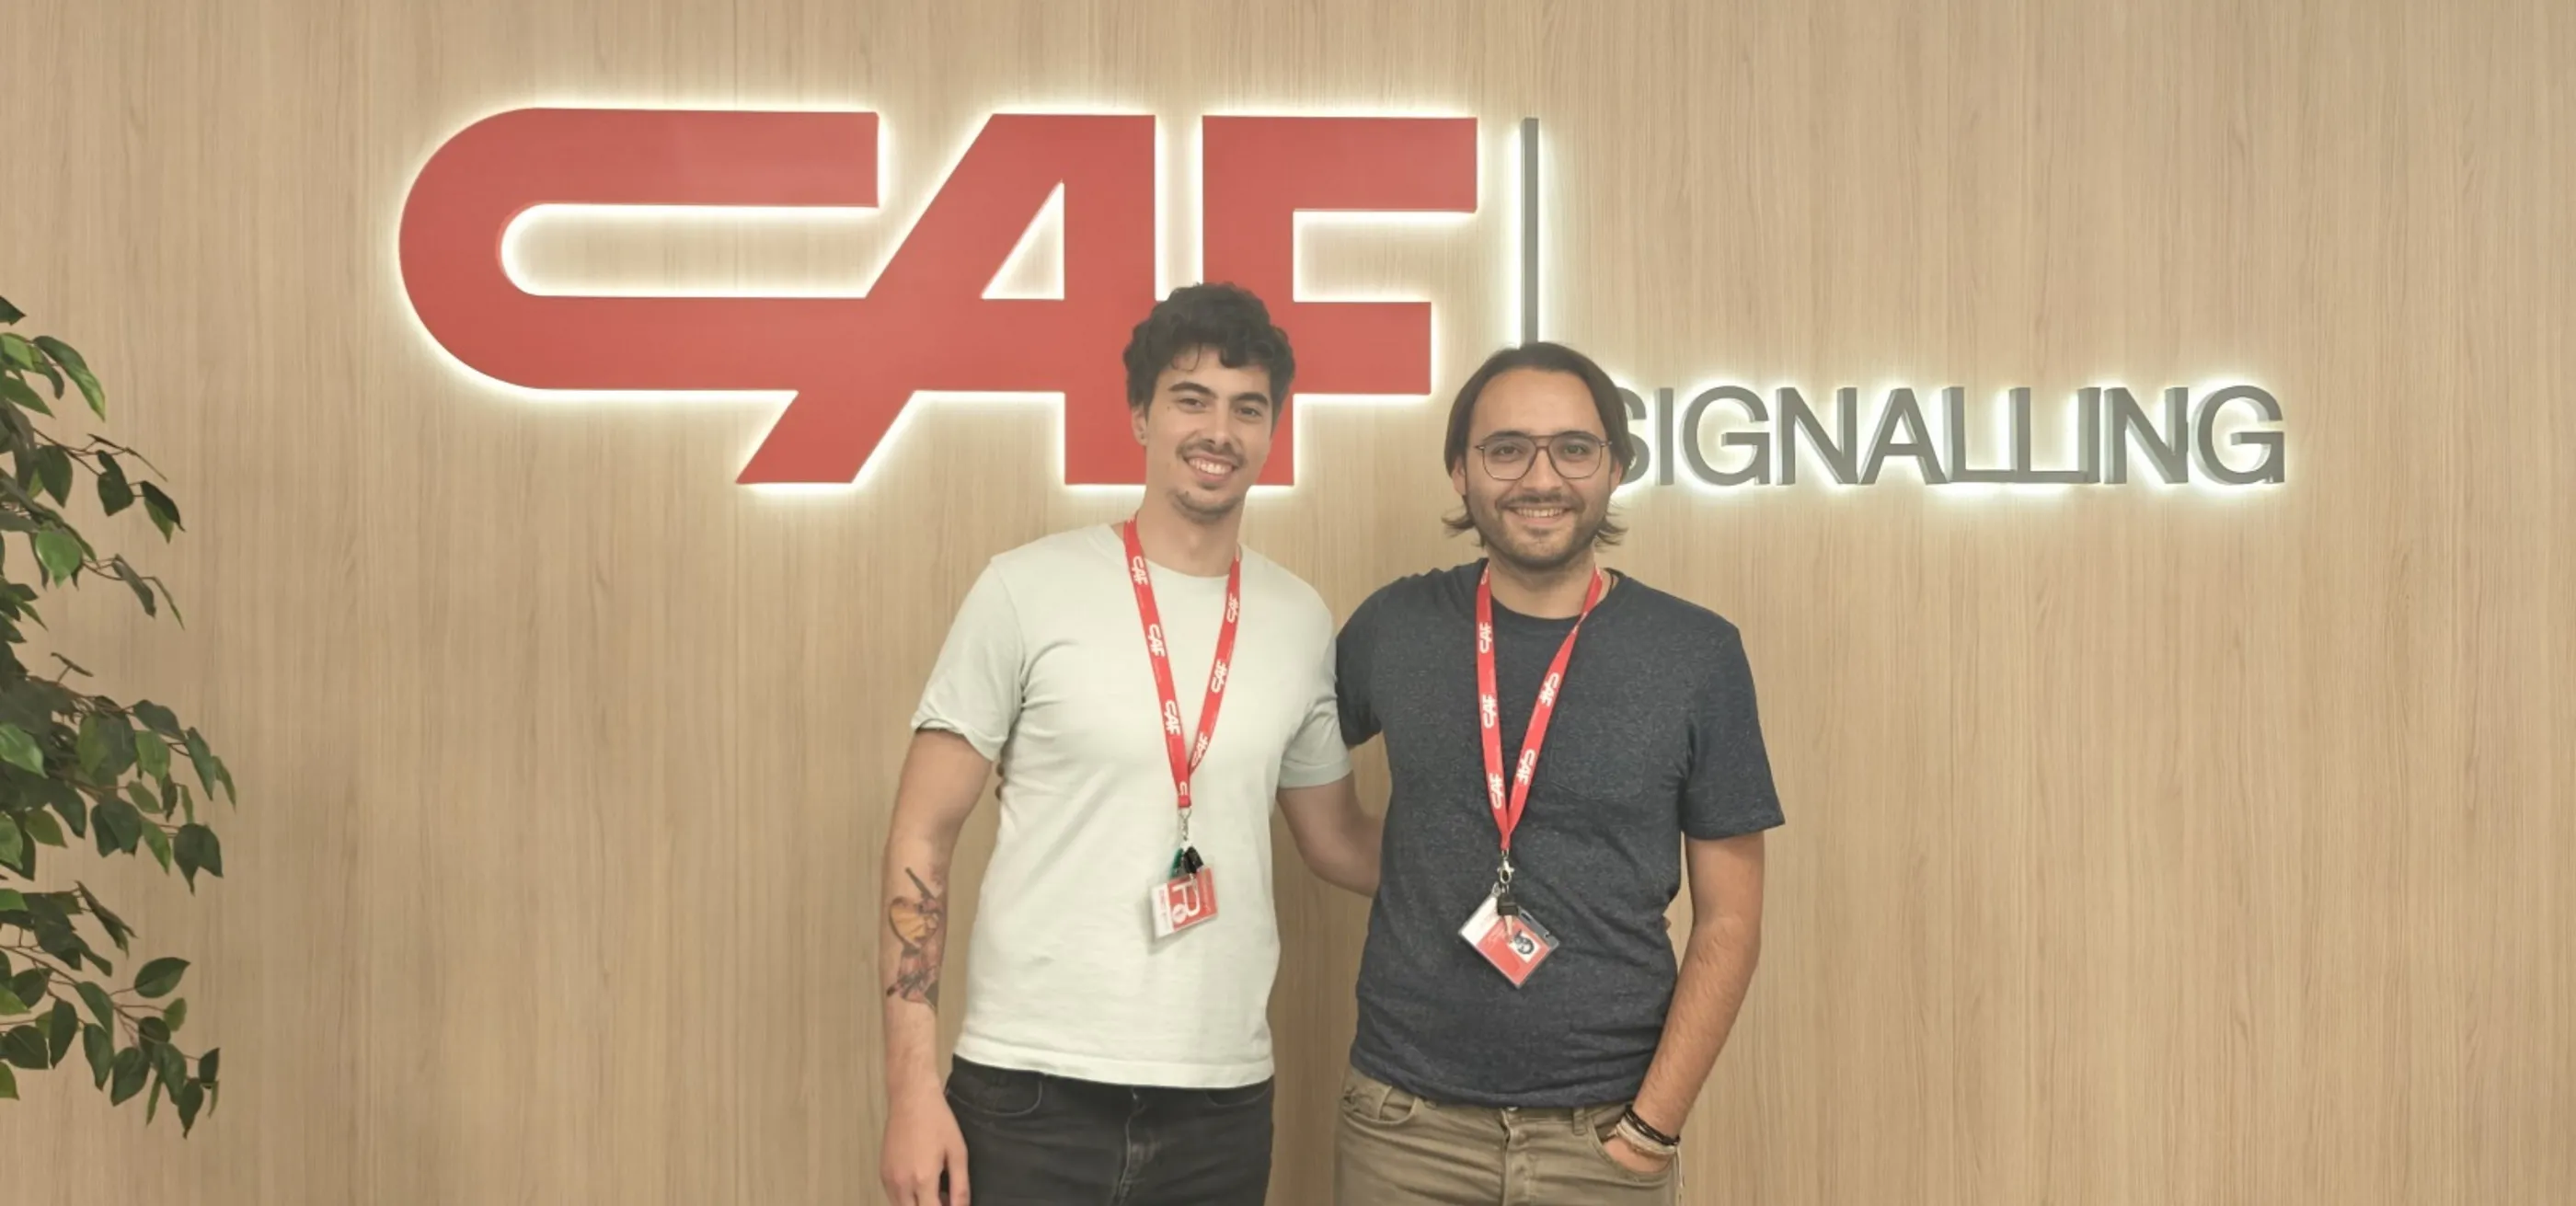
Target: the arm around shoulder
pixel 1337 837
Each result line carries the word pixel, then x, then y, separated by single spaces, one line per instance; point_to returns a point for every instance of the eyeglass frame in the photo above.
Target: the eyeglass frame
pixel 1541 445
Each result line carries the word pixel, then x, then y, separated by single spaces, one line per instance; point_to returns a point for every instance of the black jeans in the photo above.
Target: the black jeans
pixel 1034 1139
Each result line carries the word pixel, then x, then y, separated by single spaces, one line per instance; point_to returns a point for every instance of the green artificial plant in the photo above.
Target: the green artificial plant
pixel 76 766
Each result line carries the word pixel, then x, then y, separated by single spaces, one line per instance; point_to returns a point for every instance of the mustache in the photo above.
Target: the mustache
pixel 1551 499
pixel 1212 451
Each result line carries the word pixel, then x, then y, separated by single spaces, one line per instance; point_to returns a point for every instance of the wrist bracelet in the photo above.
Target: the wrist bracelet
pixel 1634 1133
pixel 1629 1116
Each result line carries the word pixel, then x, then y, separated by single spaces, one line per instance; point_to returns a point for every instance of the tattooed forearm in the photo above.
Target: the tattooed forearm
pixel 920 925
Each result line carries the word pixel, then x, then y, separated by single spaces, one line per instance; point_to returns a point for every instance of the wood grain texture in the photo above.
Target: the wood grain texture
pixel 2143 848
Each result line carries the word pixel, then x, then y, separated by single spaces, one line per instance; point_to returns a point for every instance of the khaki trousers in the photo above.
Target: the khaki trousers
pixel 1395 1149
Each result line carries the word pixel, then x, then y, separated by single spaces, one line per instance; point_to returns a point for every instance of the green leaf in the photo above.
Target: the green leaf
pixel 60 552
pixel 119 826
pixel 25 1047
pixel 129 1074
pixel 176 1015
pixel 55 378
pixel 159 844
pixel 144 801
pixel 10 902
pixel 152 1031
pixel 199 848
pixel 100 1006
pixel 189 1097
pixel 206 1066
pixel 149 752
pixel 114 492
pixel 61 1027
pixel 29 986
pixel 78 369
pixel 15 390
pixel 165 513
pixel 159 977
pixel 167 1061
pixel 41 827
pixel 116 928
pixel 152 1104
pixel 15 349
pixel 120 744
pixel 19 750
pixel 101 1051
pixel 92 748
pixel 134 581
pixel 74 810
pixel 9 313
pixel 158 718
pixel 8 1084
pixel 204 760
pixel 10 1005
pixel 54 469
pixel 11 848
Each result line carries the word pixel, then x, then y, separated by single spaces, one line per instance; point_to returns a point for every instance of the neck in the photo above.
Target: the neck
pixel 1555 594
pixel 1200 548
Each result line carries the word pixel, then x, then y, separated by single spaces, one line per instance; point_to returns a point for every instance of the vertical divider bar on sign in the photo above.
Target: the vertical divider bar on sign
pixel 1529 230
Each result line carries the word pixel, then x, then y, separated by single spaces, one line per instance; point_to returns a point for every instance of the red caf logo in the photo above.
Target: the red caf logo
pixel 854 363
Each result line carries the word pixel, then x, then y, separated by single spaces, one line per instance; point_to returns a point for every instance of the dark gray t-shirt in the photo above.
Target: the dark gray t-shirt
pixel 1655 737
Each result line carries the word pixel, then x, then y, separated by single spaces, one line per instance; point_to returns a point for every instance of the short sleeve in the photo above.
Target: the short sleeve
pixel 975 686
pixel 1353 654
pixel 1730 791
pixel 1316 755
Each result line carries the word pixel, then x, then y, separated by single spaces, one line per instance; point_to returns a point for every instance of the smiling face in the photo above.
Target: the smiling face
pixel 1206 431
pixel 1538 469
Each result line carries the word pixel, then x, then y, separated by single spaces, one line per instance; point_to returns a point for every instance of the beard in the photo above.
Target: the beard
pixel 1540 555
pixel 1203 510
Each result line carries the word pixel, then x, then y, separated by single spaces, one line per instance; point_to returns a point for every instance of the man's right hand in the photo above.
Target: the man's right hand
pixel 923 1146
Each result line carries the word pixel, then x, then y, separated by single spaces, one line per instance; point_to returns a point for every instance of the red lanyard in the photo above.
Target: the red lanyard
pixel 1184 759
pixel 1507 815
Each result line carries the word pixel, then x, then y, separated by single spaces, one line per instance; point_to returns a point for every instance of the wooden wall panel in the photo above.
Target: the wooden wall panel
pixel 2144 847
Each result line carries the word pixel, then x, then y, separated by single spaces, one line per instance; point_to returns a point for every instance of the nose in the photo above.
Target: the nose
pixel 1542 474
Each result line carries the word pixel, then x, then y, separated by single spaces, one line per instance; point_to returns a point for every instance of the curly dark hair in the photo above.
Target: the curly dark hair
pixel 1543 357
pixel 1225 317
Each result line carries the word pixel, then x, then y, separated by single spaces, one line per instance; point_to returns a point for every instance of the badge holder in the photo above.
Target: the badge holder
pixel 1188 896
pixel 1513 941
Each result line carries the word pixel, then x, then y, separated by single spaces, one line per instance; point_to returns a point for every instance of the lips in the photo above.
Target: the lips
pixel 1211 468
pixel 1541 514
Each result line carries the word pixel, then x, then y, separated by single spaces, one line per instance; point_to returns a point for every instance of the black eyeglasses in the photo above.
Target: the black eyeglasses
pixel 1576 455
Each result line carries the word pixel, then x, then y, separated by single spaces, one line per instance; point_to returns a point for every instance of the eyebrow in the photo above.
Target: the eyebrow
pixel 1197 390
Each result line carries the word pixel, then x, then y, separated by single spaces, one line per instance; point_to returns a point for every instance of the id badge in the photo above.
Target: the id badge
pixel 1514 944
pixel 1183 901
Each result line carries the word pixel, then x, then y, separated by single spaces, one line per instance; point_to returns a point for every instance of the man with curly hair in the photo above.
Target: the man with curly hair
pixel 1117 1045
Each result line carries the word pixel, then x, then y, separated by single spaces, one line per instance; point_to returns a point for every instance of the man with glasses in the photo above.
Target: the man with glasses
pixel 1563 741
